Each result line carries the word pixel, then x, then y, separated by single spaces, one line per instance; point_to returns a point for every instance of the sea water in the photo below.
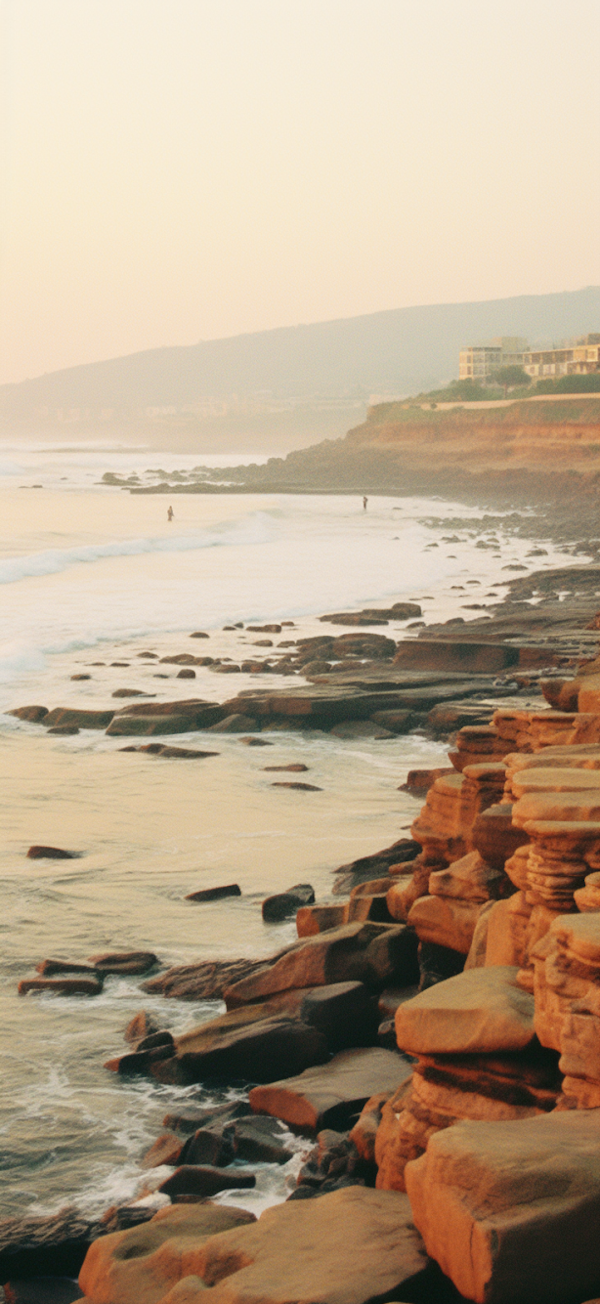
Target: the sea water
pixel 93 574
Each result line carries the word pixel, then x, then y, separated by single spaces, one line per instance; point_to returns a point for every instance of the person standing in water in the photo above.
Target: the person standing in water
pixel 170 514
pixel 365 501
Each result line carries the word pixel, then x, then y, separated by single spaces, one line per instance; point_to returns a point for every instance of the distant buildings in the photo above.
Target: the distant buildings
pixel 478 362
pixel 579 359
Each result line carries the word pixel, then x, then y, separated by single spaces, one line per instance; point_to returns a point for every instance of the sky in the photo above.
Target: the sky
pixel 179 170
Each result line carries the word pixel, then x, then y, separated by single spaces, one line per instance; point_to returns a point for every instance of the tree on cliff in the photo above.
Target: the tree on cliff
pixel 510 377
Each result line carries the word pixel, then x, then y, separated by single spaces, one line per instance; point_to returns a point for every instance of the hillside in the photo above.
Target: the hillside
pixel 399 351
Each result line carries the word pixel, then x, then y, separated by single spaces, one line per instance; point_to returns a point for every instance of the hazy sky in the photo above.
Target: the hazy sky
pixel 185 169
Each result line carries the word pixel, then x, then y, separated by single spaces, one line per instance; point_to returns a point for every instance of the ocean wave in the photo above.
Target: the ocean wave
pixel 54 560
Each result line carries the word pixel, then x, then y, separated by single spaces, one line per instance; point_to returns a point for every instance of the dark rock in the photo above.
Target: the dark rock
pixel 130 692
pixel 285 904
pixel 255 742
pixel 295 768
pixel 49 968
pixel 187 673
pixel 344 1013
pixel 91 986
pixel 35 714
pixel 166 717
pixel 41 1290
pixel 81 676
pixel 51 853
pixel 192 1119
pixel 65 730
pixel 234 724
pixel 124 961
pixel 437 963
pixel 162 1037
pixel 170 753
pixel 199 633
pixel 258 1139
pixel 119 1218
pixel 204 1181
pixel 140 1026
pixel 258 1052
pixel 208 1145
pixel 263 629
pixel 139 1061
pixel 374 866
pixel 418 782
pixel 56 1244
pixel 302 787
pixel 398 722
pixel 215 893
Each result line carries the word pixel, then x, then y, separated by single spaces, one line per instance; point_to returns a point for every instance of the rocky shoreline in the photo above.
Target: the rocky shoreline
pixel 425 1057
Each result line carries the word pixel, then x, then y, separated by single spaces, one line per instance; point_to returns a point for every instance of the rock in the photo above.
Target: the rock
pixel 90 986
pixel 418 782
pixel 35 714
pixel 199 633
pixel 259 1139
pixel 507 932
pixel 367 952
pixel 165 717
pixel 165 1150
pixel 186 673
pixel 191 1119
pixel 170 753
pixel 51 853
pixel 255 742
pixel 476 1011
pixel 140 1026
pixel 447 717
pixel 138 1266
pixel 41 1290
pixel 208 1145
pixel 284 904
pixel 508 1208
pixel 295 768
pixel 436 963
pixel 203 981
pixel 49 968
pixel 301 787
pixel 203 1180
pixel 263 629
pixel 64 730
pixel 368 867
pixel 352 729
pixel 397 722
pixel 469 878
pixel 130 692
pixel 215 893
pixel 587 898
pixel 236 723
pixel 54 1244
pixel 344 1012
pixel 444 920
pixel 124 961
pixel 72 715
pixel 302 1244
pixel 494 836
pixel 365 1130
pixel 320 919
pixel 257 1051
pixel 334 1093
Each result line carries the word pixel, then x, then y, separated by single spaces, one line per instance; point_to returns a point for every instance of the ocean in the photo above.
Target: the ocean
pixel 91 575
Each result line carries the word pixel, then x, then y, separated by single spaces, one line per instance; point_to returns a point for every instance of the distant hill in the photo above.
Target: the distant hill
pixel 401 351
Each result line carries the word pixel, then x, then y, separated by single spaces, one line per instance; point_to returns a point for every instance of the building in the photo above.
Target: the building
pixel 580 358
pixel 478 362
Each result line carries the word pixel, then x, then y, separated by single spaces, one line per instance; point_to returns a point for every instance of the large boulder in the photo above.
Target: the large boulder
pixel 140 1265
pixel 511 1210
pixel 478 1010
pixel 444 920
pixel 334 1093
pixel 365 952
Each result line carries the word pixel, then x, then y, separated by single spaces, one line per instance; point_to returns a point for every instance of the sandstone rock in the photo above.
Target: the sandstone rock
pixel 418 782
pixel 446 921
pixel 35 714
pixel 64 730
pixel 587 898
pixel 368 867
pixel 259 1052
pixel 470 657
pixel 295 768
pixel 236 723
pixel 259 1139
pixel 508 1208
pixel 494 836
pixel 334 1093
pixel 191 1118
pixel 476 1011
pixel 343 1012
pixel 507 932
pixel 165 717
pixel 284 904
pixel 215 893
pixel 49 968
pixel 477 950
pixel 139 1266
pixel 305 1246
pixel 165 752
pixel 364 1132
pixel 367 952
pixel 469 878
pixel 320 919
pixel 55 1243
pixel 373 907
pixel 141 1025
pixel 397 722
pixel 50 853
pixel 186 673
pixel 406 889
pixel 165 1150
pixel 130 692
pixel 82 719
pixel 124 961
pixel 436 964
pixel 204 981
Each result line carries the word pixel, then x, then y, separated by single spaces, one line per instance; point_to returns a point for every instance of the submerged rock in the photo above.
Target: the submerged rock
pixel 284 904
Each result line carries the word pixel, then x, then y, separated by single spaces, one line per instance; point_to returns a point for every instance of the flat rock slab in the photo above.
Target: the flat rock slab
pixel 510 1210
pixel 205 1180
pixel 124 961
pixel 332 1094
pixel 169 753
pixel 84 986
pixel 475 1011
pixel 51 853
pixel 140 1265
pixel 348 1247
pixel 204 981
